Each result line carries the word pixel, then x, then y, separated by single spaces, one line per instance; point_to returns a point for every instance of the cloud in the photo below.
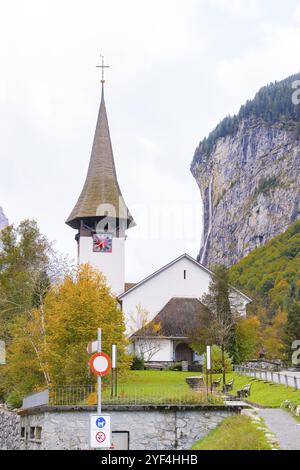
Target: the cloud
pixel 241 8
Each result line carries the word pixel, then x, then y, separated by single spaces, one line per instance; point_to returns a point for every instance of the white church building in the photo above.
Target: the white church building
pixel 169 299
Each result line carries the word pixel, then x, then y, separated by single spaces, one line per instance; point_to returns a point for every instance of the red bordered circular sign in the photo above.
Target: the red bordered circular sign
pixel 100 364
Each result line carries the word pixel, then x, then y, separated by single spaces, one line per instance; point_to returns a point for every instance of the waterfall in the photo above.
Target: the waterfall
pixel 210 217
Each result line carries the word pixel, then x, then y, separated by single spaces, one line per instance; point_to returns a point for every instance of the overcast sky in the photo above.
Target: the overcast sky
pixel 177 68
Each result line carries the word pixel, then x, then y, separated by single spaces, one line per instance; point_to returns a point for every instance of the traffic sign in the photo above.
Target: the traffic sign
pixel 100 438
pixel 92 347
pixel 100 364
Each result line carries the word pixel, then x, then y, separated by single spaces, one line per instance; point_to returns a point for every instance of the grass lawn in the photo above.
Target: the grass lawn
pixel 167 387
pixel 172 383
pixel 155 387
pixel 265 393
pixel 234 433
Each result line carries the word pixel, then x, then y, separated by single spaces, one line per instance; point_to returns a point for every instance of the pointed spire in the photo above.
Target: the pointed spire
pixel 101 190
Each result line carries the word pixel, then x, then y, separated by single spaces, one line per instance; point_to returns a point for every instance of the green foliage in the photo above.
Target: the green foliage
pixel 272 104
pixel 247 338
pixel 271 274
pixel 216 359
pixel 137 363
pixel 24 263
pixel 177 366
pixel 292 327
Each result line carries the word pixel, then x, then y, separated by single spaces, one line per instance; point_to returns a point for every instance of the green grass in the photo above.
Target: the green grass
pixel 234 433
pixel 172 383
pixel 163 382
pixel 169 387
pixel 265 393
pixel 157 387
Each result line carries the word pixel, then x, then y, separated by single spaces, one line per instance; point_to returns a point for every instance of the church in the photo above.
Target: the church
pixel 161 310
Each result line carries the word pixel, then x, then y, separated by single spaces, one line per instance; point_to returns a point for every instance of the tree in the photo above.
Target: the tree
pixel 248 338
pixel 292 327
pixel 52 347
pixel 28 266
pixel 147 344
pixel 217 325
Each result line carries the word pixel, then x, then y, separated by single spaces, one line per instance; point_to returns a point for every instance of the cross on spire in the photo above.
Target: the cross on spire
pixel 102 66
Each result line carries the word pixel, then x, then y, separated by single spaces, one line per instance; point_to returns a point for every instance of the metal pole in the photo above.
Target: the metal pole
pixel 114 370
pixel 99 377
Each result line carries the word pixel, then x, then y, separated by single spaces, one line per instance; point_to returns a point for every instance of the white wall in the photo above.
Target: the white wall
pixel 156 292
pixel 165 352
pixel 111 264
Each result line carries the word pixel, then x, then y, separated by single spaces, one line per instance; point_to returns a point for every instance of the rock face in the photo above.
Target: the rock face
pixel 3 222
pixel 3 219
pixel 250 186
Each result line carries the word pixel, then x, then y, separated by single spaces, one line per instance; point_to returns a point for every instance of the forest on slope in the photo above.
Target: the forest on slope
pixel 272 104
pixel 270 275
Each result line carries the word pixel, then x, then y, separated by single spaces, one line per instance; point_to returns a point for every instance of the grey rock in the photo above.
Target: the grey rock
pixel 250 187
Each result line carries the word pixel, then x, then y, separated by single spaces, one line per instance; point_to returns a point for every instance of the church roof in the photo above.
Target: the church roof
pixel 101 194
pixel 189 258
pixel 179 318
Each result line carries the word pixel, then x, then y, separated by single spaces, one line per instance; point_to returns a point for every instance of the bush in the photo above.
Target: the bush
pixel 14 399
pixel 216 356
pixel 175 367
pixel 137 363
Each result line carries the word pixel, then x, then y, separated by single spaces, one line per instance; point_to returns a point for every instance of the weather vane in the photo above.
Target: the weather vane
pixel 102 66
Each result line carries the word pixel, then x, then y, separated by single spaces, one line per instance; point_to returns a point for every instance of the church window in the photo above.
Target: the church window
pixel 184 274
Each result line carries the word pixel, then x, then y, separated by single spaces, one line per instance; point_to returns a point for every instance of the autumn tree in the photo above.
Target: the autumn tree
pixel 52 347
pixel 248 338
pixel 28 267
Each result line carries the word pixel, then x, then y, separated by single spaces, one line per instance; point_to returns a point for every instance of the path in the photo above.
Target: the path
pixel 286 428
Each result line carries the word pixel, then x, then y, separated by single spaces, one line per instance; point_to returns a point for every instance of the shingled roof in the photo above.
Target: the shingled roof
pixel 101 189
pixel 177 319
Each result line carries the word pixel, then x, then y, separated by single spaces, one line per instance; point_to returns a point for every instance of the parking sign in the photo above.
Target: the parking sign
pixel 100 432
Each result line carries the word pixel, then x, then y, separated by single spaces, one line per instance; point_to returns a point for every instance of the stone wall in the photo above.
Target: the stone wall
pixel 9 430
pixel 149 428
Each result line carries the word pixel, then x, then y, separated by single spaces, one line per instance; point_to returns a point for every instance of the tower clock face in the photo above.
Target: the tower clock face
pixel 102 243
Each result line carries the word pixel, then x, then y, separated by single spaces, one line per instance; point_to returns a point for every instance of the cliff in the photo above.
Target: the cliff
pixel 3 219
pixel 248 171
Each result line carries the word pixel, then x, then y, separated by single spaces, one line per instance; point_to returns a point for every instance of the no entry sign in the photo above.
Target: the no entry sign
pixel 100 432
pixel 100 364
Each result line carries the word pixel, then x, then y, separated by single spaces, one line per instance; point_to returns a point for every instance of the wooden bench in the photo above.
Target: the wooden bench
pixel 244 392
pixel 195 383
pixel 216 383
pixel 228 387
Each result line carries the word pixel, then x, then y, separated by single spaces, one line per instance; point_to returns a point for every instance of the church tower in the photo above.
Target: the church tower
pixel 100 215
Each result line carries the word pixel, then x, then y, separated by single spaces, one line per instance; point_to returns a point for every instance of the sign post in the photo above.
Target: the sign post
pixel 114 379
pixel 99 376
pixel 100 432
pixel 208 368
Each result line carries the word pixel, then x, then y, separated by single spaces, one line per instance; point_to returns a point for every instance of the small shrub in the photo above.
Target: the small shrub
pixel 216 359
pixel 137 363
pixel 176 366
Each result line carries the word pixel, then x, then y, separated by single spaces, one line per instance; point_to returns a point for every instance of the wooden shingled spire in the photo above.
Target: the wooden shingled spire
pixel 101 190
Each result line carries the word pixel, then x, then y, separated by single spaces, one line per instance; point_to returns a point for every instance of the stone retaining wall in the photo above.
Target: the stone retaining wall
pixel 10 432
pixel 149 427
